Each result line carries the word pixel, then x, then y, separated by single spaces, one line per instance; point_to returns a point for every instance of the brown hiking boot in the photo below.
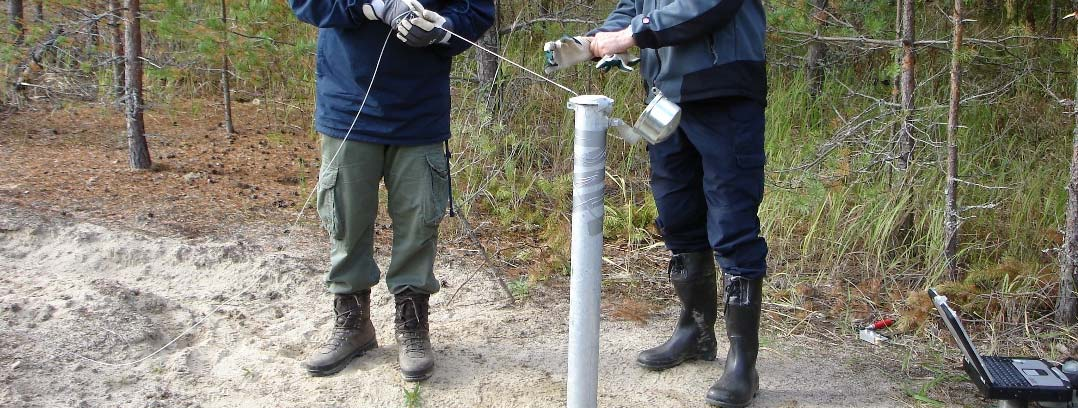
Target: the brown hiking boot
pixel 416 357
pixel 353 334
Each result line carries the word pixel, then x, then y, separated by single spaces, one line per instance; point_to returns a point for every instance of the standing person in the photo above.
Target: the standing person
pixel 397 138
pixel 708 178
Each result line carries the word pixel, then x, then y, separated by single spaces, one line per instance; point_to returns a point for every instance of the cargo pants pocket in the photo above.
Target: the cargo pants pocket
pixel 328 205
pixel 439 184
pixel 748 118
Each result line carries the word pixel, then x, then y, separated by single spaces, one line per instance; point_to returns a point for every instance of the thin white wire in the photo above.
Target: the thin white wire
pixel 291 230
pixel 511 62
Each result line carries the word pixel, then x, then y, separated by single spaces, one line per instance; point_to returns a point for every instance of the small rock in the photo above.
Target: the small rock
pixel 16 364
pixel 191 177
pixel 46 315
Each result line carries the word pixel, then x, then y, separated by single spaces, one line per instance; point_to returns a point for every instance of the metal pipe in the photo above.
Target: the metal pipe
pixel 589 172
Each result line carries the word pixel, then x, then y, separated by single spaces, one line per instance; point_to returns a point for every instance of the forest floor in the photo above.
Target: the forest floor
pixel 99 262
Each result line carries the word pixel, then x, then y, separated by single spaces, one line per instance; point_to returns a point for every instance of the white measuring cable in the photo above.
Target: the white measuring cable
pixel 307 202
pixel 513 63
pixel 288 235
pixel 418 10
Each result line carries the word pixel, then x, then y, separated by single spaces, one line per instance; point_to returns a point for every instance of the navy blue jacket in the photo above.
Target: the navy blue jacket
pixel 696 50
pixel 410 101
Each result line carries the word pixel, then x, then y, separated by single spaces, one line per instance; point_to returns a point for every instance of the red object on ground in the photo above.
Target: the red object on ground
pixel 881 324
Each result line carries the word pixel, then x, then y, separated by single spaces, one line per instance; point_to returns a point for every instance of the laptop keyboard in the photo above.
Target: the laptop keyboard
pixel 1004 373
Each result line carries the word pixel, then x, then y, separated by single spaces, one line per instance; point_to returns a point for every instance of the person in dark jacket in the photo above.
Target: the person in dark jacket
pixel 708 178
pixel 393 57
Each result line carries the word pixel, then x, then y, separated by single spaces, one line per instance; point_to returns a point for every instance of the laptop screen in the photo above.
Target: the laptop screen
pixel 954 325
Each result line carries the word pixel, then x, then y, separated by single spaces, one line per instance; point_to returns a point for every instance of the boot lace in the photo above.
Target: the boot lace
pixel 408 327
pixel 343 323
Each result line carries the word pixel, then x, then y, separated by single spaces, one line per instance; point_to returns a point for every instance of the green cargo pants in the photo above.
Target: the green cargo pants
pixel 417 180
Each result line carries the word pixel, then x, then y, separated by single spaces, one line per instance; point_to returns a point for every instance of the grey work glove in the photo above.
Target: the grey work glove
pixel 388 11
pixel 427 28
pixel 623 62
pixel 565 52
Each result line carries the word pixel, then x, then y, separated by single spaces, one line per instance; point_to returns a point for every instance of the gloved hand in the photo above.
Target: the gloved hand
pixel 427 28
pixel 388 11
pixel 622 62
pixel 565 52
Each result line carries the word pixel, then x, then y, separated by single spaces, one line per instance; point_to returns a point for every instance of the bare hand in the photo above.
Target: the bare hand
pixel 615 42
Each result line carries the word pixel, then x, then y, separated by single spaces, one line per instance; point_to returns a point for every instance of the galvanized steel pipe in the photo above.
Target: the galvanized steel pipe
pixel 589 172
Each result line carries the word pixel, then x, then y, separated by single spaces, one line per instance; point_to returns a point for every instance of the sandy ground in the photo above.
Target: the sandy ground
pixel 70 289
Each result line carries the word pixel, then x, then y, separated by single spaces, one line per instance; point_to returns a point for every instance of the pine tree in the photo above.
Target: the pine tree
pixel 118 66
pixel 951 218
pixel 226 87
pixel 1067 305
pixel 15 15
pixel 139 152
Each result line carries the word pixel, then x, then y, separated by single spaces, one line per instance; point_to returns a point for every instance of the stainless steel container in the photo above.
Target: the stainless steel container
pixel 658 121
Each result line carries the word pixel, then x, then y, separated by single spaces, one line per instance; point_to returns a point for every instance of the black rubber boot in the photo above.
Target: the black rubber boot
pixel 740 381
pixel 353 335
pixel 415 354
pixel 693 276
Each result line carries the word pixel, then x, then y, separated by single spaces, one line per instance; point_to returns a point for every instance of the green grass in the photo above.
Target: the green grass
pixel 412 398
pixel 834 212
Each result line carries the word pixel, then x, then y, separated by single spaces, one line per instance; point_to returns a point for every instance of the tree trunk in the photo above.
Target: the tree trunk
pixel 907 84
pixel 1012 7
pixel 94 33
pixel 117 48
pixel 1053 17
pixel 950 247
pixel 817 50
pixel 136 126
pixel 39 11
pixel 990 9
pixel 488 63
pixel 1031 16
pixel 15 15
pixel 1067 306
pixel 226 88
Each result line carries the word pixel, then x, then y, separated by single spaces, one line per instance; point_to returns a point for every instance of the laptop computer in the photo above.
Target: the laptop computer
pixel 1004 378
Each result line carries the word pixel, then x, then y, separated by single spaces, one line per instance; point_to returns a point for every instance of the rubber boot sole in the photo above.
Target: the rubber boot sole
pixel 336 368
pixel 661 367
pixel 724 404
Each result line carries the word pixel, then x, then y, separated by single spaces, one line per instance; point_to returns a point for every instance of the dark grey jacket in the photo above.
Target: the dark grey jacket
pixel 696 50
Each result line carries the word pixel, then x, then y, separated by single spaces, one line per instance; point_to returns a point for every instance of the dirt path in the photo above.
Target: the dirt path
pixel 116 295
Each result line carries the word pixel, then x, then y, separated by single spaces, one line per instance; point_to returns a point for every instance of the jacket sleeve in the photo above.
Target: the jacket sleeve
pixel 469 19
pixel 330 13
pixel 682 21
pixel 620 18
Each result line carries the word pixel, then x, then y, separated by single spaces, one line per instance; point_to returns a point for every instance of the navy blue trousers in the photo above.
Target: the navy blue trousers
pixel 708 182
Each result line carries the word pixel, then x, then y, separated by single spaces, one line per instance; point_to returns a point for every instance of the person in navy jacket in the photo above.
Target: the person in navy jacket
pixel 708 178
pixel 397 139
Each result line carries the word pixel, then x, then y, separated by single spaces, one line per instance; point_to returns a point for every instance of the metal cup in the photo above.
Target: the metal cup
pixel 659 120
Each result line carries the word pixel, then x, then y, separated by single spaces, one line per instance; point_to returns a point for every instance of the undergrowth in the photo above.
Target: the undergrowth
pixel 853 236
